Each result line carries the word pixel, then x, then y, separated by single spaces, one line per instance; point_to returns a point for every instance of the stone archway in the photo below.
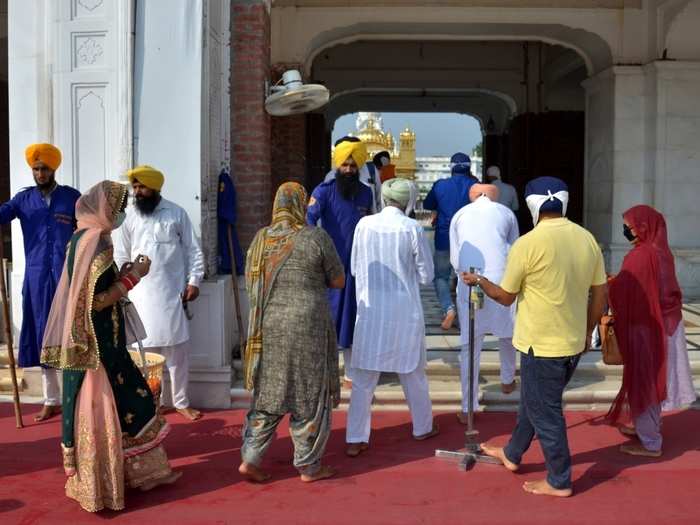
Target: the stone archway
pixel 634 101
pixel 527 96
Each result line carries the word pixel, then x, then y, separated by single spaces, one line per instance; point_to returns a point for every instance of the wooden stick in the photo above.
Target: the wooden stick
pixel 236 297
pixel 8 334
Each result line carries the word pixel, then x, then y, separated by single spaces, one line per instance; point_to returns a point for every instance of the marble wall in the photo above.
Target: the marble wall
pixel 643 147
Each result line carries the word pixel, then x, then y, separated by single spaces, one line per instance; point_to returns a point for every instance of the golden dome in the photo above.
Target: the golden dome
pixel 373 135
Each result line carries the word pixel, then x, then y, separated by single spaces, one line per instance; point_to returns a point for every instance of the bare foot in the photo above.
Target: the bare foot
pixel 509 388
pixel 189 413
pixel 543 488
pixel 627 431
pixel 324 472
pixel 168 480
pixel 639 450
pixel 497 452
pixel 355 449
pixel 47 412
pixel 253 473
pixel 449 319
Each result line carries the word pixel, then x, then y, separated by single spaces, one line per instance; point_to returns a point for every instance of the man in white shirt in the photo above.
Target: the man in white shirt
pixel 390 260
pixel 481 234
pixel 506 192
pixel 162 230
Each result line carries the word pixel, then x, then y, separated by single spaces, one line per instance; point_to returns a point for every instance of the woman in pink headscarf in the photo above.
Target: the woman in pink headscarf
pixel 112 432
pixel 646 301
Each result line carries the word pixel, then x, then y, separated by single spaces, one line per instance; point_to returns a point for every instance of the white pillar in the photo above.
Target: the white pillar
pixel 677 162
pixel 642 147
pixel 181 126
pixel 69 84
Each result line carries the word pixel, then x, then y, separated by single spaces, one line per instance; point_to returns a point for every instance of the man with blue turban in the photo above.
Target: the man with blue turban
pixel 445 198
pixel 551 271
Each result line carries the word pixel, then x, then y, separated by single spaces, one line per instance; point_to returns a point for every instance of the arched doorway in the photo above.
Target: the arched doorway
pixel 526 94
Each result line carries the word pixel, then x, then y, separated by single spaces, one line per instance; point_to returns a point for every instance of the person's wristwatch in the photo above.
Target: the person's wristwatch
pixel 478 280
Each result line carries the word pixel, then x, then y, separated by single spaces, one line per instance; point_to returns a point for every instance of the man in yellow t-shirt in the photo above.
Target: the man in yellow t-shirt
pixel 551 271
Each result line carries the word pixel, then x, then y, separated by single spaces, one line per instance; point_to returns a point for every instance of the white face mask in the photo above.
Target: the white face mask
pixel 535 202
pixel 121 216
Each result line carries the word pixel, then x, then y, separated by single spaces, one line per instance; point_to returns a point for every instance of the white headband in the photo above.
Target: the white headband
pixel 535 202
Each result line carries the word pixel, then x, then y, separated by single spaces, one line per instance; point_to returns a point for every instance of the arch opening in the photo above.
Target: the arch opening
pixel 526 95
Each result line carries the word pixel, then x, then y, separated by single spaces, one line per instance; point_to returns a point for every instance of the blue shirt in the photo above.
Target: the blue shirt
pixel 339 216
pixel 447 197
pixel 46 229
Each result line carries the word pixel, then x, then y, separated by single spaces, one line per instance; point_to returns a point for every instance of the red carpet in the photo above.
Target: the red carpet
pixel 397 481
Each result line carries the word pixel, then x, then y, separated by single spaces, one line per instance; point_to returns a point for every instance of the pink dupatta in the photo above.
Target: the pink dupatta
pixel 69 338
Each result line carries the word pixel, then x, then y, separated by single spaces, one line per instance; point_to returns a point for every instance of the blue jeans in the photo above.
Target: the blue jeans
pixel 540 413
pixel 443 276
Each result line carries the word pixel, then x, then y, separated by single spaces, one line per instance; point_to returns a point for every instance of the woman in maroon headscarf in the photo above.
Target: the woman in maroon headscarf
pixel 646 301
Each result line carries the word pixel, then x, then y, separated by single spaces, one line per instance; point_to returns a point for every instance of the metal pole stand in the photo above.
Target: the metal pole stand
pixel 471 453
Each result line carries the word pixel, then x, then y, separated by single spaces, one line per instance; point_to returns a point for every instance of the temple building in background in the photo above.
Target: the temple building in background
pixel 370 129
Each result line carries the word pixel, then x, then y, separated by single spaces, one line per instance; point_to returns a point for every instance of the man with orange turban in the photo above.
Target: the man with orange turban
pixel 339 204
pixel 481 234
pixel 46 212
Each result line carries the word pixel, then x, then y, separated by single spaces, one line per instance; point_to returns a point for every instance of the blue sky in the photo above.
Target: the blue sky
pixel 440 134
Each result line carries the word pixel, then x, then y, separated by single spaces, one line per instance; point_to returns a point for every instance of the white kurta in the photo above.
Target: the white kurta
pixel 169 240
pixel 481 234
pixel 390 259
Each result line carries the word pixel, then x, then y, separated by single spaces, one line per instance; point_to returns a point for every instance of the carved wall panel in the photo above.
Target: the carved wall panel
pixel 91 46
pixel 89 8
pixel 89 133
pixel 89 50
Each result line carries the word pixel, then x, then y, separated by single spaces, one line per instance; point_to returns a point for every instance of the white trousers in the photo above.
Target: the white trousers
pixel 177 361
pixel 50 387
pixel 347 359
pixel 506 352
pixel 364 382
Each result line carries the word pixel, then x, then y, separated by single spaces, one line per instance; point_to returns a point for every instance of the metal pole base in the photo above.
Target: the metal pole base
pixel 471 453
pixel 467 457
